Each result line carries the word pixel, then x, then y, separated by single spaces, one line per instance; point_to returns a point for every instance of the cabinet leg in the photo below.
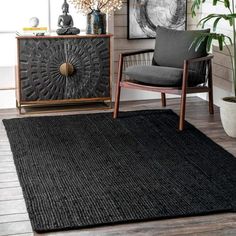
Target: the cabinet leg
pixel 18 106
pixel 163 99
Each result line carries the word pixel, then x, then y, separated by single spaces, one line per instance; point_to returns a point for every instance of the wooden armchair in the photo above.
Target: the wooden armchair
pixel 188 79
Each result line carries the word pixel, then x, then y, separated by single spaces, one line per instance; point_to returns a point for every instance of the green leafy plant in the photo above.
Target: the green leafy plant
pixel 222 39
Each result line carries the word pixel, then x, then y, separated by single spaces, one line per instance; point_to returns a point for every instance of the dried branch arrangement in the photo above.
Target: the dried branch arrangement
pixel 105 6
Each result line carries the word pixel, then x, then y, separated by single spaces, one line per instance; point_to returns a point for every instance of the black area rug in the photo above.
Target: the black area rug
pixel 88 170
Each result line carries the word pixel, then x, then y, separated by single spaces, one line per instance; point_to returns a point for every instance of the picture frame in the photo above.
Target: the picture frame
pixel 143 16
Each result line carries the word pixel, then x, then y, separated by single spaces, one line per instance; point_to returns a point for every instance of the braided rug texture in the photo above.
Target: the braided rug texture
pixel 89 170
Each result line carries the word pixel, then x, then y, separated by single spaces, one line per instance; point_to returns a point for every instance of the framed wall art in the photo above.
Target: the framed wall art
pixel 145 15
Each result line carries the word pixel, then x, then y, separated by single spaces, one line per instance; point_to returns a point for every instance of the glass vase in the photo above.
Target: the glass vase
pixel 96 22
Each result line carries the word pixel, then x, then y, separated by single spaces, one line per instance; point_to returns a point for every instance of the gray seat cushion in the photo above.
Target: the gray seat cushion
pixel 173 47
pixel 161 76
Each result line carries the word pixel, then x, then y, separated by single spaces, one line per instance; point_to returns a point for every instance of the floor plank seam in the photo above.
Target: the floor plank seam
pixel 15 221
pixel 19 213
pixel 8 172
pixel 17 186
pixel 17 233
pixel 7 181
pixel 15 199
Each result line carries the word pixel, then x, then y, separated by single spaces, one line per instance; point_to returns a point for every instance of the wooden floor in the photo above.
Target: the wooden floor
pixel 14 218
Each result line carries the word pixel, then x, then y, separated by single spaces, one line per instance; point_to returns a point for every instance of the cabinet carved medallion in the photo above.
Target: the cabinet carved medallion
pixel 63 69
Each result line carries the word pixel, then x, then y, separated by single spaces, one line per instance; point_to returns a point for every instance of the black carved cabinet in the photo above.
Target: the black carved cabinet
pixel 63 69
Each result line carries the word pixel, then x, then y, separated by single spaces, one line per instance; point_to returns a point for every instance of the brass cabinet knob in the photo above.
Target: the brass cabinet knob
pixel 66 69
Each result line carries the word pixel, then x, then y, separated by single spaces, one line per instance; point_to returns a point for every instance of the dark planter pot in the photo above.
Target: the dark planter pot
pixel 96 22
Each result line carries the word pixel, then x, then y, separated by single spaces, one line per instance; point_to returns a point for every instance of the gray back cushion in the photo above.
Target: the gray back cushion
pixel 173 47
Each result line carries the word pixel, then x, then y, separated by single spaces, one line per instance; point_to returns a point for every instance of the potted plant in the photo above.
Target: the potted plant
pixel 228 104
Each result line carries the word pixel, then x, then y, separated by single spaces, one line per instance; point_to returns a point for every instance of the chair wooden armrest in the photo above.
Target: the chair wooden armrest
pixel 125 54
pixel 199 59
pixel 207 58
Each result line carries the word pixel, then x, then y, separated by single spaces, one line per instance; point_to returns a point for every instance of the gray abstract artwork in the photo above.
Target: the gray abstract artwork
pixel 145 15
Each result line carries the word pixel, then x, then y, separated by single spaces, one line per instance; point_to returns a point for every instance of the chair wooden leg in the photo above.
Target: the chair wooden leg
pixel 210 93
pixel 182 111
pixel 211 103
pixel 117 100
pixel 118 88
pixel 163 99
pixel 183 97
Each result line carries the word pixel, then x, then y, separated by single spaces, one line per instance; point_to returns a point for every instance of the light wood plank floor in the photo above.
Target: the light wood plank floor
pixel 14 218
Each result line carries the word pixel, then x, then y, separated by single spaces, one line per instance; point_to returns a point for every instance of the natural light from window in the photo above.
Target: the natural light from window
pixel 15 16
pixel 18 12
pixel 78 18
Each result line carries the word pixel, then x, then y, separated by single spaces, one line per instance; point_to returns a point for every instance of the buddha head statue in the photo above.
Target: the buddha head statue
pixel 65 7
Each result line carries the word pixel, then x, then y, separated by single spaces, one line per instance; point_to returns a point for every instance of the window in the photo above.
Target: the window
pixel 15 16
pixel 17 13
pixel 78 18
pixel 46 10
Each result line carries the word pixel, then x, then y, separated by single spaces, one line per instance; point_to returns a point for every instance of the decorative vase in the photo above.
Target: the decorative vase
pixel 96 22
pixel 228 115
